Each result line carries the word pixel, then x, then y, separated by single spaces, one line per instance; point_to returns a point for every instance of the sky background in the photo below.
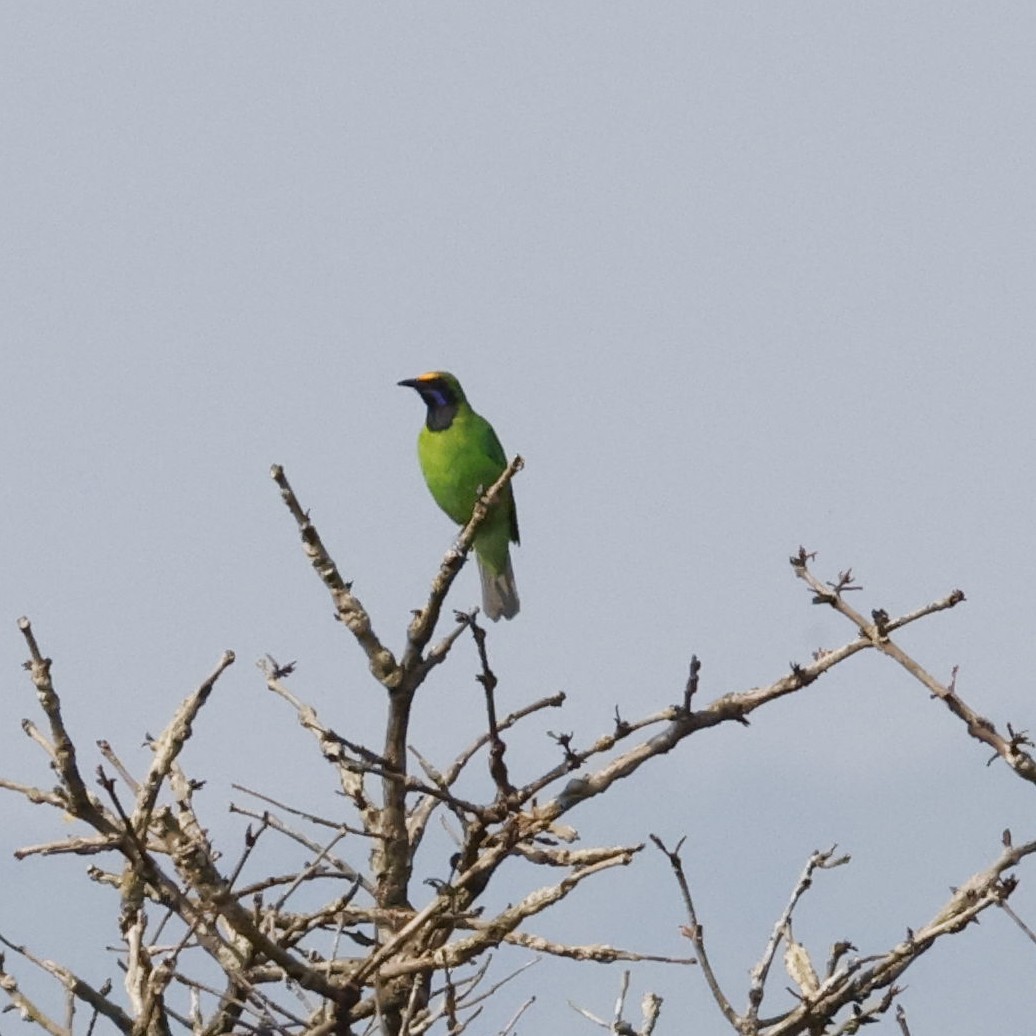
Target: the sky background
pixel 731 277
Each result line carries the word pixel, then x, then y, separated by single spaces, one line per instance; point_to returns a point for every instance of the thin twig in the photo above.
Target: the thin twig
pixel 817 861
pixel 696 933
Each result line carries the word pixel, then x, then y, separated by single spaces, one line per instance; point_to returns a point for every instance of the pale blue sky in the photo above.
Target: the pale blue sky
pixel 731 277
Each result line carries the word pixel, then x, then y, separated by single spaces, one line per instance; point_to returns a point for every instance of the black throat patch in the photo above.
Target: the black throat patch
pixel 440 415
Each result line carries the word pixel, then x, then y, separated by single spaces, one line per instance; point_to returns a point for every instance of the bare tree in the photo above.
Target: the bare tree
pixel 337 944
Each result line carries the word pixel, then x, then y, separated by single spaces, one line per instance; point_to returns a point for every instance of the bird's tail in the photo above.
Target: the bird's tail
pixel 499 594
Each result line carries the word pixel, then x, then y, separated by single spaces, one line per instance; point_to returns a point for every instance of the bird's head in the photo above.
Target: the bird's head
pixel 442 394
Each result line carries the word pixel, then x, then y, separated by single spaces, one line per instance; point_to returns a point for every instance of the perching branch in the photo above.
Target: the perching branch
pixel 424 621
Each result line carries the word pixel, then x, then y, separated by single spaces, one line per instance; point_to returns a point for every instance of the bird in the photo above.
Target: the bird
pixel 461 457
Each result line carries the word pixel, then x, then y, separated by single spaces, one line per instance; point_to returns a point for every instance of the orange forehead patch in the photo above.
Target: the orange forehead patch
pixel 428 376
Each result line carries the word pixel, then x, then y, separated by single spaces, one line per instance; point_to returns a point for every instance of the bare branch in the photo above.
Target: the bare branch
pixel 348 608
pixel 818 861
pixel 171 742
pixel 80 802
pixel 876 634
pixel 696 933
pixel 73 984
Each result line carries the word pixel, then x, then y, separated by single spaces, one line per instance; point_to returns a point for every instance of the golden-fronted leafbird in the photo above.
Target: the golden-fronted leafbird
pixel 461 457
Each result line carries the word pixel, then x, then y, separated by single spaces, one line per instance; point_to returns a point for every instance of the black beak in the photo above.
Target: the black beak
pixel 408 383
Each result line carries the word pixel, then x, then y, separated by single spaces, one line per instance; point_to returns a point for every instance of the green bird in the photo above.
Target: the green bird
pixel 461 457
